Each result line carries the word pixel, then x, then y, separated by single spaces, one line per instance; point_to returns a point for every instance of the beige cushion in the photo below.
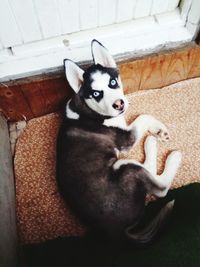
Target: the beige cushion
pixel 42 214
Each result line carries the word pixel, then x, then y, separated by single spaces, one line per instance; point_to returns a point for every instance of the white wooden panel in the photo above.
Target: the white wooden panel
pixel 9 32
pixel 142 8
pixel 39 47
pixel 49 17
pixel 26 19
pixel 5 55
pixel 69 15
pixel 170 18
pixel 159 6
pixel 1 45
pixel 88 14
pixel 56 17
pixel 35 65
pixel 125 9
pixel 107 12
pixel 136 35
pixel 193 21
pixel 194 13
pixel 172 4
pixel 185 6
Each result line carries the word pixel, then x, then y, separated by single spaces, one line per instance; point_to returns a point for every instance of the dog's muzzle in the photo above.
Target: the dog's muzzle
pixel 118 105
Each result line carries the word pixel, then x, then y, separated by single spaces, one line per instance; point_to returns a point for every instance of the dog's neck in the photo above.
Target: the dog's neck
pixel 77 109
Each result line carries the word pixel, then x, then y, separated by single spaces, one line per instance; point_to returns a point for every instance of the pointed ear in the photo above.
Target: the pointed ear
pixel 74 74
pixel 101 55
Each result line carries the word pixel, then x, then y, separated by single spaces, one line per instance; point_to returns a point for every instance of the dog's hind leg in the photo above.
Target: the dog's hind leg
pixel 150 163
pixel 150 148
pixel 165 179
pixel 162 182
pixel 159 184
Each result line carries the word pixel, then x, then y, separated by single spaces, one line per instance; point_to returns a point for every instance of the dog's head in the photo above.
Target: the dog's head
pixel 100 85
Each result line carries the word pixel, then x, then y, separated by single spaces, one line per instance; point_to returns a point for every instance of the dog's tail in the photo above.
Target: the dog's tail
pixel 147 235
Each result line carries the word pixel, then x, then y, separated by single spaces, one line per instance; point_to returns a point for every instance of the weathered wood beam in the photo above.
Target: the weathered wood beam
pixel 8 232
pixel 35 96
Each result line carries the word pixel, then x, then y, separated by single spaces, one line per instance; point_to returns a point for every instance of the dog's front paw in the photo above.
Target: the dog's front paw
pixel 159 130
pixel 162 135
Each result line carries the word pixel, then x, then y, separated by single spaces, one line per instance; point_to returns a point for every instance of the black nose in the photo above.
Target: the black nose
pixel 118 104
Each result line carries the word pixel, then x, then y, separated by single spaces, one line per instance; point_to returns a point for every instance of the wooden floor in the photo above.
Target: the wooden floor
pixel 39 95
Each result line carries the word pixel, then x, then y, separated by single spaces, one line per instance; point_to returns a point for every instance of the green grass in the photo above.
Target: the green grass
pixel 179 245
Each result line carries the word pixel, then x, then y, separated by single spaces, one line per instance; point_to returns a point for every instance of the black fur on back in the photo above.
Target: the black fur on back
pixel 103 198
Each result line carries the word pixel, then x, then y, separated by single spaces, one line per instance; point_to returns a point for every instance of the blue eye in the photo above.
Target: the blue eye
pixel 113 82
pixel 96 94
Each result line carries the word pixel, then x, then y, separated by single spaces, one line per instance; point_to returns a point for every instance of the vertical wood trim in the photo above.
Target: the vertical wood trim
pixel 8 238
pixel 1 45
pixel 173 4
pixel 185 6
pixel 193 19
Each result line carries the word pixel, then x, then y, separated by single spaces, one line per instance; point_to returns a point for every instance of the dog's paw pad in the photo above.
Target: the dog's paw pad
pixel 163 135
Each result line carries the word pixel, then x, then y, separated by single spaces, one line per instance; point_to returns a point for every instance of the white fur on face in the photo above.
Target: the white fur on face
pixel 105 105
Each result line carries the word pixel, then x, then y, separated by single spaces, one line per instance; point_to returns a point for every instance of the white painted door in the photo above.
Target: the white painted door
pixel 36 35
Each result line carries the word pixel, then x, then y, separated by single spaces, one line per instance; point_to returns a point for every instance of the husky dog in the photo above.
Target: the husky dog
pixel 106 192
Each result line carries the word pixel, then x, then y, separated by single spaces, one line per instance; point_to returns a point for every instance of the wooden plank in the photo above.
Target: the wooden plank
pixel 48 14
pixel 8 240
pixel 193 15
pixel 142 8
pixel 27 20
pixel 17 105
pixel 69 15
pixel 173 4
pixel 185 6
pixel 45 96
pixel 193 18
pixel 161 70
pixel 88 14
pixel 107 12
pixel 1 45
pixel 125 9
pixel 159 6
pixel 5 55
pixel 9 31
pixel 40 95
pixel 33 97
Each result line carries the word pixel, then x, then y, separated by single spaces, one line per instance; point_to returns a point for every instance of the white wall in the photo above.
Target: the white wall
pixel 24 21
pixel 33 33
